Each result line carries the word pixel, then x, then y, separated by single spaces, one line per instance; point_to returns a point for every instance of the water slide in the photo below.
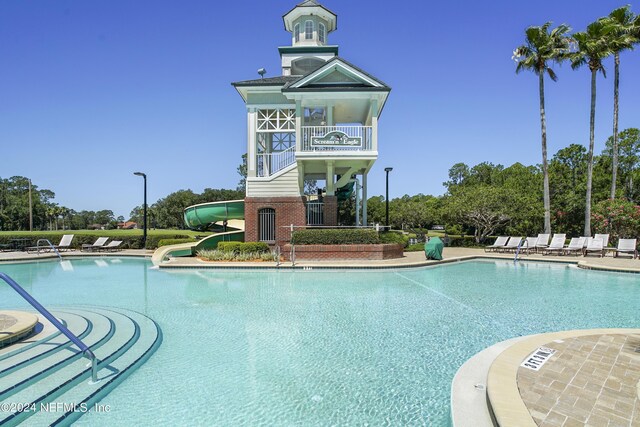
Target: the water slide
pixel 205 216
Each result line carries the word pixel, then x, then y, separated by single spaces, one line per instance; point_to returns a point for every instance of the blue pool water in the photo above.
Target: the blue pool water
pixel 320 347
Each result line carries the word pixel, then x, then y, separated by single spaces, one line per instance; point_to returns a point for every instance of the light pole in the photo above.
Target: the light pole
pixel 387 170
pixel 144 230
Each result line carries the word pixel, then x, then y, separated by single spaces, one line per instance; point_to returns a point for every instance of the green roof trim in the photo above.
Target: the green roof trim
pixel 308 49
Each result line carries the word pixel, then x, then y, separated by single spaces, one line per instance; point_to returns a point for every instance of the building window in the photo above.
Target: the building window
pixel 308 30
pixel 267 225
pixel 296 32
pixel 321 33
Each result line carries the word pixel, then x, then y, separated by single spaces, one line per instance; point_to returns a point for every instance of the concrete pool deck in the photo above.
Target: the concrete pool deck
pixel 596 391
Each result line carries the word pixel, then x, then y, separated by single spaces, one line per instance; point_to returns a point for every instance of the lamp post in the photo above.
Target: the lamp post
pixel 387 170
pixel 144 230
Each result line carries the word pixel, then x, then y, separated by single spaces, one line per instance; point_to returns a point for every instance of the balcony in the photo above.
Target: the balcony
pixel 336 138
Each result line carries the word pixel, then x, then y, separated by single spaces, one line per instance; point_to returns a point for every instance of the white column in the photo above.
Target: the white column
pixel 330 183
pixel 374 124
pixel 364 198
pixel 251 142
pixel 330 121
pixel 298 125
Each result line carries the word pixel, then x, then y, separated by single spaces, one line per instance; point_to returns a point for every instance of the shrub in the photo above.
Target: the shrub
pixel 619 218
pixel 332 236
pixel 167 242
pixel 243 247
pixel 462 242
pixel 394 237
pixel 416 247
pixel 220 255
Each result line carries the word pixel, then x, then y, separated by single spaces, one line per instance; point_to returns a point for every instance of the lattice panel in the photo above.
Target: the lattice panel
pixel 275 120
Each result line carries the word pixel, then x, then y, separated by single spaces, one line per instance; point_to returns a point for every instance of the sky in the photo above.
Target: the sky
pixel 92 91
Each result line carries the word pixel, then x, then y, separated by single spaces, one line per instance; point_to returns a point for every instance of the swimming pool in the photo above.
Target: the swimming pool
pixel 320 347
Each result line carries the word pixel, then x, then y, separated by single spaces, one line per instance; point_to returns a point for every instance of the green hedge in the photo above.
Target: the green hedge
pixel 331 236
pixel 129 241
pixel 243 247
pixel 167 242
pixel 394 237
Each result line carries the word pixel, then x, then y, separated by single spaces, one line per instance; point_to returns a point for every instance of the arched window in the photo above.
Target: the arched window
pixel 296 32
pixel 267 225
pixel 321 33
pixel 308 30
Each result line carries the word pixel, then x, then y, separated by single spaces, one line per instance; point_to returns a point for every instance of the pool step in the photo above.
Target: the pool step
pixel 51 376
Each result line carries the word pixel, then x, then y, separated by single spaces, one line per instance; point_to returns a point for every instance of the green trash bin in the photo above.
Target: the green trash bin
pixel 433 248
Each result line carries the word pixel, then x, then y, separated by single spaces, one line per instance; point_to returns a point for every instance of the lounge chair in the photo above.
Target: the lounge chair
pixel 575 246
pixel 65 244
pixel 557 245
pixel 529 244
pixel 499 243
pixel 99 243
pixel 542 242
pixel 627 246
pixel 113 246
pixel 605 239
pixel 512 244
pixel 594 245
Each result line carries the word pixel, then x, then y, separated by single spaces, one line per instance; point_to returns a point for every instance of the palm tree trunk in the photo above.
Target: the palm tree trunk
pixel 592 121
pixel 616 85
pixel 545 167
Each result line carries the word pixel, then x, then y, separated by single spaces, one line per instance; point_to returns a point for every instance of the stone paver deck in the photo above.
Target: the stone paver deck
pixel 590 380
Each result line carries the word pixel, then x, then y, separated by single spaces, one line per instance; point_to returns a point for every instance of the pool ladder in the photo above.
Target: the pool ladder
pixel 86 351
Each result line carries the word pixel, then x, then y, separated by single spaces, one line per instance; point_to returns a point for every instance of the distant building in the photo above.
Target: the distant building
pixel 317 121
pixel 128 225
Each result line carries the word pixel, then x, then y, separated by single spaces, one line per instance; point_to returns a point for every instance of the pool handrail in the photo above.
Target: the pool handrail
pixel 86 351
pixel 50 245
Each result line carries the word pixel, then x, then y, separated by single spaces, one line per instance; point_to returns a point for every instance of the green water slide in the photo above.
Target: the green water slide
pixel 205 216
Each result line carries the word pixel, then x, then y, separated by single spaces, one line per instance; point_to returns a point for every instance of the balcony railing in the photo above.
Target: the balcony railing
pixel 336 138
pixel 271 163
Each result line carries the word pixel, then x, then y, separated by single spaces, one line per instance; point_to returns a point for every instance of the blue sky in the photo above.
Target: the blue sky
pixel 93 91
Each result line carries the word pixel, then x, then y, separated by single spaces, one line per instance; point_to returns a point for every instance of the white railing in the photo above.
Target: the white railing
pixel 315 213
pixel 336 138
pixel 271 163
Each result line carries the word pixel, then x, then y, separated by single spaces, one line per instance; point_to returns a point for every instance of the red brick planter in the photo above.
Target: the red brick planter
pixel 339 252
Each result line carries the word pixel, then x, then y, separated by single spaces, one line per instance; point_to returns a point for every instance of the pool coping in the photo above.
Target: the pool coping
pixel 25 323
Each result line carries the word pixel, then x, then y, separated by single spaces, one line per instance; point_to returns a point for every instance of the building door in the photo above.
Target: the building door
pixel 267 225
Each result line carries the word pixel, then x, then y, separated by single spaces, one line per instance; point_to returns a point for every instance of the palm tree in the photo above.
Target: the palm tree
pixel 592 48
pixel 542 47
pixel 623 28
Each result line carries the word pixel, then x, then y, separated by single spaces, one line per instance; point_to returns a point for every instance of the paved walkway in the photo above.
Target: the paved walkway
pixel 589 380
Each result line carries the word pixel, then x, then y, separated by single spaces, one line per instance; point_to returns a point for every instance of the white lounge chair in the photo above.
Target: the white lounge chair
pixel 542 242
pixel 113 246
pixel 604 238
pixel 512 244
pixel 65 243
pixel 627 246
pixel 557 245
pixel 99 243
pixel 499 243
pixel 529 244
pixel 575 246
pixel 595 245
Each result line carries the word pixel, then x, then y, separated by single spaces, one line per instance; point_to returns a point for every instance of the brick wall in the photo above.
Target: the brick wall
pixel 341 252
pixel 289 210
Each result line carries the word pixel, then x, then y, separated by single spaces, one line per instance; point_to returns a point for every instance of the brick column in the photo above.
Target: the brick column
pixel 331 210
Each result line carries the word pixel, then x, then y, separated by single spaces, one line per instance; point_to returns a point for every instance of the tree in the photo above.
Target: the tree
pixel 622 27
pixel 592 48
pixel 542 48
pixel 242 171
pixel 628 161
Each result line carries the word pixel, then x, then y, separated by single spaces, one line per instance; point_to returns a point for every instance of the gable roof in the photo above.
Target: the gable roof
pixel 326 77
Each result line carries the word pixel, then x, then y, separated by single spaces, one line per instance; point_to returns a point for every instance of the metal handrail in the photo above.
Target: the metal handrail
pixel 86 351
pixel 50 244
